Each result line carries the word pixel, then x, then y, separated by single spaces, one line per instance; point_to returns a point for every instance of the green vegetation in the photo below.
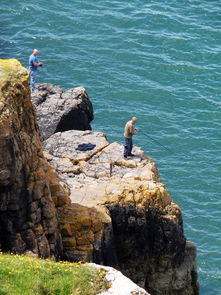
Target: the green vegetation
pixel 23 275
pixel 12 70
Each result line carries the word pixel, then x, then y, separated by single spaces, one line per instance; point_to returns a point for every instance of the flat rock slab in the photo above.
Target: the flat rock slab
pixel 65 144
pixel 93 176
pixel 110 162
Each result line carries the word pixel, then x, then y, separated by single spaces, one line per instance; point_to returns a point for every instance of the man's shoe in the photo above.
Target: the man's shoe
pixel 125 157
pixel 131 155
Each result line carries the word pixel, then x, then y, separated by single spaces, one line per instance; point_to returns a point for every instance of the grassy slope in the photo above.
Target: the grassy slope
pixel 22 275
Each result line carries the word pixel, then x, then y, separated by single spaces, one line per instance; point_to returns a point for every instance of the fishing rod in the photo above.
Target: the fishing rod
pixel 157 142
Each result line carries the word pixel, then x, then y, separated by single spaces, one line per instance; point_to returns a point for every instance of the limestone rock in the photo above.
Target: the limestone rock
pixel 65 144
pixel 139 228
pixel 28 218
pixel 118 283
pixel 58 110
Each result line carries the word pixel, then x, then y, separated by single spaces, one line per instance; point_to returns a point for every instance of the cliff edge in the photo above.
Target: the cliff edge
pixel 121 213
pixel 96 207
pixel 28 218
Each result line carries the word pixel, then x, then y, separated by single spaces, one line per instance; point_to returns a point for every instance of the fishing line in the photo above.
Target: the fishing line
pixel 157 142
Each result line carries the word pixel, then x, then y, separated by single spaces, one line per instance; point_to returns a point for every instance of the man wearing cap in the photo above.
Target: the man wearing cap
pixel 34 63
pixel 129 131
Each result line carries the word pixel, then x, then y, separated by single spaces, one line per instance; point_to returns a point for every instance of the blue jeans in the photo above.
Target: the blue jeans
pixel 33 75
pixel 128 146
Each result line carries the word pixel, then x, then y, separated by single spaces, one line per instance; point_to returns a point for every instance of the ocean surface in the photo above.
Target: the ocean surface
pixel 159 61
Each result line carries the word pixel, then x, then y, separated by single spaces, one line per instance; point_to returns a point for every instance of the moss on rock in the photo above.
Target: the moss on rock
pixel 12 70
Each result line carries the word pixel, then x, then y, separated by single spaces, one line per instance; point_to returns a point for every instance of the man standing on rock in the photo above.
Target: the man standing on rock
pixel 129 131
pixel 34 63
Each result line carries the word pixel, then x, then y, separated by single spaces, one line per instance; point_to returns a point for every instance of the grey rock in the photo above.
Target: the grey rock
pixel 58 110
pixel 65 144
pixel 80 170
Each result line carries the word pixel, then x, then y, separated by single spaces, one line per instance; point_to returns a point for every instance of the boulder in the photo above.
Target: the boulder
pixel 58 110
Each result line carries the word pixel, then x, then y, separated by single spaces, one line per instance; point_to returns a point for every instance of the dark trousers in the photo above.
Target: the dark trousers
pixel 128 146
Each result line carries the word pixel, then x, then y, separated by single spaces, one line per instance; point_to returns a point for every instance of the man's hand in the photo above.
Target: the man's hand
pixel 135 130
pixel 40 64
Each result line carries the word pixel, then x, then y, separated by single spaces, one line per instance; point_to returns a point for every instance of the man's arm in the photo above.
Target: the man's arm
pixel 38 64
pixel 133 130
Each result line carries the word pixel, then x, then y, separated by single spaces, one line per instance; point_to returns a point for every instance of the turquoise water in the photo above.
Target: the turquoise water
pixel 159 61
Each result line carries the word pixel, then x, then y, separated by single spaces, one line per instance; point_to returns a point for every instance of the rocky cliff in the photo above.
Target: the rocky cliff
pixel 119 213
pixel 28 218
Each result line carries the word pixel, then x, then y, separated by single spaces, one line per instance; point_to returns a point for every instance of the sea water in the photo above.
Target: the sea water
pixel 157 60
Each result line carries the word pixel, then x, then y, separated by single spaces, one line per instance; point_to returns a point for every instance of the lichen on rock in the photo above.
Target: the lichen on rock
pixel 11 70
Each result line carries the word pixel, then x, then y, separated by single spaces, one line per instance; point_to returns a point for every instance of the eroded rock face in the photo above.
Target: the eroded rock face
pixel 140 228
pixel 120 214
pixel 28 217
pixel 59 110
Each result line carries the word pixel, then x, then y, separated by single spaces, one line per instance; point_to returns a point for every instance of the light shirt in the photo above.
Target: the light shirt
pixel 32 59
pixel 129 130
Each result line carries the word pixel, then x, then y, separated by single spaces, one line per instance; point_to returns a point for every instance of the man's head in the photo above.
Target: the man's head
pixel 35 51
pixel 134 120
